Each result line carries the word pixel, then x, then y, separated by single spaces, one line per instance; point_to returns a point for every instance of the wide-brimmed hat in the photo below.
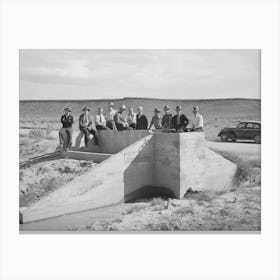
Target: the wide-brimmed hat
pixel 123 107
pixel 157 110
pixel 67 108
pixel 165 108
pixel 111 104
pixel 178 108
pixel 140 108
pixel 195 108
pixel 86 108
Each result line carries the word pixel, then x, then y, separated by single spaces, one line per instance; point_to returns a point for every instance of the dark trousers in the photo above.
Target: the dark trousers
pixel 120 127
pixel 102 127
pixel 66 137
pixel 133 125
pixel 87 132
pixel 111 125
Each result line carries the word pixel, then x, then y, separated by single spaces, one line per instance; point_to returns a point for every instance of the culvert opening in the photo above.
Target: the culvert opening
pixel 148 192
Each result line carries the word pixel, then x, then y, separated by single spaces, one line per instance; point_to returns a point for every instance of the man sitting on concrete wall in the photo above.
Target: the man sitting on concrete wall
pixel 197 122
pixel 131 118
pixel 86 126
pixel 179 122
pixel 141 119
pixel 120 119
pixel 100 122
pixel 156 120
pixel 166 119
pixel 110 117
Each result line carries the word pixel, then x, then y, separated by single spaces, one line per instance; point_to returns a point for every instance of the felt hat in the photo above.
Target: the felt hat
pixel 165 108
pixel 67 108
pixel 157 110
pixel 111 104
pixel 86 108
pixel 123 107
pixel 178 108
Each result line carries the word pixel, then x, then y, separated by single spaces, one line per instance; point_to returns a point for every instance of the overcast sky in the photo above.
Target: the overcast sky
pixel 178 74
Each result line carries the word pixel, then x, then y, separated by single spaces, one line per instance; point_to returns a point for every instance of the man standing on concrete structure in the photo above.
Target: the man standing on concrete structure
pixel 141 119
pixel 100 122
pixel 166 119
pixel 156 120
pixel 179 122
pixel 110 117
pixel 120 119
pixel 86 126
pixel 197 123
pixel 131 119
pixel 67 131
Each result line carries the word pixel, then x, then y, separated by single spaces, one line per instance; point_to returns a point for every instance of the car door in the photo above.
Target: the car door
pixel 241 130
pixel 249 133
pixel 256 130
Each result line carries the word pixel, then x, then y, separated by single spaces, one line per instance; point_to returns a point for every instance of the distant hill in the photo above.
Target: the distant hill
pixel 216 112
pixel 212 107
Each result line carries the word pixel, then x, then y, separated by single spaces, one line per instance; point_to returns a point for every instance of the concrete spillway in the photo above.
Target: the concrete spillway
pixel 150 164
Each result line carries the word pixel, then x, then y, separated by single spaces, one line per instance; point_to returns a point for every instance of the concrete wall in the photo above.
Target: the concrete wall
pixel 113 141
pixel 162 163
pixel 103 185
pixel 192 162
pixel 95 157
pixel 167 162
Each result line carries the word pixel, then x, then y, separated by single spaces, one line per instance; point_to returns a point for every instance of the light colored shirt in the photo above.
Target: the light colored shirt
pixel 86 120
pixel 100 120
pixel 197 121
pixel 111 115
pixel 120 119
pixel 131 118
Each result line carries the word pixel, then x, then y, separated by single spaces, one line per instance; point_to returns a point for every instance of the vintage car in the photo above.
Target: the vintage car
pixel 246 130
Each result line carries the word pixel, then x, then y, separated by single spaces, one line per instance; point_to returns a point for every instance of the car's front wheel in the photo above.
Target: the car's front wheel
pixel 224 137
pixel 257 139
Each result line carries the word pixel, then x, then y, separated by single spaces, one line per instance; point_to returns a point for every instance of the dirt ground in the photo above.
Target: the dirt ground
pixel 42 178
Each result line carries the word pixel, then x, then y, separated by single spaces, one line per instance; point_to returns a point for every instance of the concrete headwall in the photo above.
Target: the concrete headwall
pixel 167 161
pixel 103 185
pixel 162 163
pixel 112 141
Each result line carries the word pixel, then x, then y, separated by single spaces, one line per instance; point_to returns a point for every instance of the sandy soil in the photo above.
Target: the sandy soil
pixel 237 211
pixel 42 178
pixel 30 147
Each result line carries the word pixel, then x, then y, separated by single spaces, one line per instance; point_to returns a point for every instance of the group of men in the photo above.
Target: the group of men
pixel 116 120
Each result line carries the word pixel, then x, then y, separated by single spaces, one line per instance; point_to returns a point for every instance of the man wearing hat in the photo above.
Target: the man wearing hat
pixel 85 126
pixel 197 122
pixel 141 119
pixel 100 121
pixel 179 122
pixel 120 119
pixel 110 118
pixel 131 118
pixel 166 119
pixel 65 134
pixel 156 120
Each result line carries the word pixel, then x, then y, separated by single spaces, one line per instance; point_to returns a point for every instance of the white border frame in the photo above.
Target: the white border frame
pixel 156 24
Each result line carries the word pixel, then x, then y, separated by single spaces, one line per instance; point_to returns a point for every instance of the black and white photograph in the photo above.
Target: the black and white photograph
pixel 140 140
